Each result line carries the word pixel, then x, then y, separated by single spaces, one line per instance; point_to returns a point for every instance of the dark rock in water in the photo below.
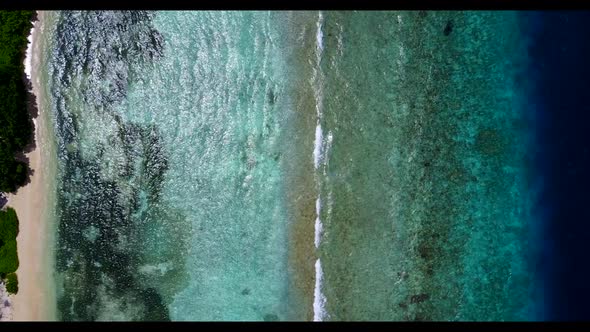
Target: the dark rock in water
pixel 245 291
pixel 271 318
pixel 419 298
pixel 448 28
pixel 108 53
pixel 418 318
pixel 276 156
pixel 271 97
pixel 156 309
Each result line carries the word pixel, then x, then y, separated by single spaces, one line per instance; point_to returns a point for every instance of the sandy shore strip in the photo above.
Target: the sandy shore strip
pixel 36 296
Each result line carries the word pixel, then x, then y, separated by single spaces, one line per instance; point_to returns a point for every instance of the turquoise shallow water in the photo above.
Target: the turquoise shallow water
pixel 290 166
pixel 228 182
pixel 430 216
pixel 191 161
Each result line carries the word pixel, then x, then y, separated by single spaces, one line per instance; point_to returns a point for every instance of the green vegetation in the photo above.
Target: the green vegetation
pixel 15 121
pixel 12 283
pixel 8 254
pixel 8 225
pixel 15 131
pixel 8 257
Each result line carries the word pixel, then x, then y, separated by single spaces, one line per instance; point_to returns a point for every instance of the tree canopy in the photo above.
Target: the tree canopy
pixel 8 233
pixel 15 121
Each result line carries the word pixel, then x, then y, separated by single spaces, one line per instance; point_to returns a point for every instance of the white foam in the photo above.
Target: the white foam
pixel 317 149
pixel 317 79
pixel 319 300
pixel 318 206
pixel 318 232
pixel 29 53
pixel 339 41
pixel 318 223
pixel 319 33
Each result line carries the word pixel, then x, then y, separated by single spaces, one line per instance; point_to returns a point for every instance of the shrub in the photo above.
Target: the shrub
pixel 12 283
pixel 8 257
pixel 8 232
pixel 8 225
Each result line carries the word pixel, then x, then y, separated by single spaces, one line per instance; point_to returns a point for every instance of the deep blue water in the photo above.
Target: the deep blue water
pixel 559 53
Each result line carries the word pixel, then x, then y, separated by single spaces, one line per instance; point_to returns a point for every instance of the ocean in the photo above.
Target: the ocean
pixel 298 165
pixel 558 66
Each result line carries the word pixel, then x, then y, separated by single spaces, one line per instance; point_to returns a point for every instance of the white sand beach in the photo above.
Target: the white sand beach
pixel 33 203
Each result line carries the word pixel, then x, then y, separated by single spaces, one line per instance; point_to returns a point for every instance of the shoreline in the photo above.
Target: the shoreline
pixel 33 300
